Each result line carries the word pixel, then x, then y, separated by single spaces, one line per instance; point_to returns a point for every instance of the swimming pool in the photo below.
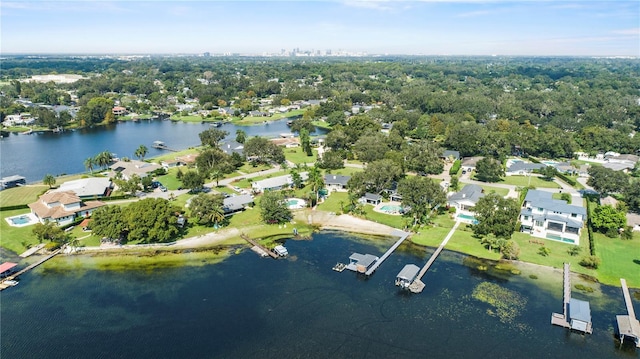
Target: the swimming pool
pixel 24 219
pixel 392 208
pixel 295 203
pixel 467 218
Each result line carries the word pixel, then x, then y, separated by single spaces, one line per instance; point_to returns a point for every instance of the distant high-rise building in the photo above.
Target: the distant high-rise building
pixel 206 54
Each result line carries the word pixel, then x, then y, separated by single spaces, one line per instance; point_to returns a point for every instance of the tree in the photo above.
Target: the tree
pixel 606 180
pixel 146 183
pixel 95 111
pixel 371 147
pixel 316 181
pixel 511 250
pixel 302 124
pixel 274 209
pixel 207 209
pixel 151 220
pixel 108 221
pixel 455 183
pixel 192 180
pixel 49 231
pixel 590 262
pixel 632 195
pixel 424 158
pixel 331 160
pixel 489 170
pixel 380 175
pixel 574 250
pixel 130 186
pixel 420 195
pixel 212 137
pixel 103 159
pixel 89 163
pixel 496 215
pixel 296 178
pixel 608 220
pixel 49 180
pixel 241 136
pixel 548 173
pixel 262 150
pixel 141 151
pixel 213 159
pixel 305 141
pixel 544 251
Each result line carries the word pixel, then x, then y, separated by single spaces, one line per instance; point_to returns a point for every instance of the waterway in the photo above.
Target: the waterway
pixel 33 156
pixel 251 307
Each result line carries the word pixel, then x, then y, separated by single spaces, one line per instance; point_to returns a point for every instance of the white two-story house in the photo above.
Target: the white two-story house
pixel 62 207
pixel 545 217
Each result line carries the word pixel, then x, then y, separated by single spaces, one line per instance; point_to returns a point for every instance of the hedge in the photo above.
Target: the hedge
pixel 15 206
pixel 455 167
pixel 592 245
pixel 565 178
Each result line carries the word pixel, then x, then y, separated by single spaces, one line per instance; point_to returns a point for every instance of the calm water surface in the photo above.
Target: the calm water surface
pixel 249 307
pixel 34 156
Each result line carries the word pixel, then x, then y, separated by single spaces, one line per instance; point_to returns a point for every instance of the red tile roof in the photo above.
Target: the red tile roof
pixel 7 266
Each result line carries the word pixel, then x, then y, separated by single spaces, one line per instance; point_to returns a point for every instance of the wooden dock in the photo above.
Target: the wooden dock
pixel 259 246
pixel 417 286
pixel 32 250
pixel 30 267
pixel 558 319
pixel 628 325
pixel 403 235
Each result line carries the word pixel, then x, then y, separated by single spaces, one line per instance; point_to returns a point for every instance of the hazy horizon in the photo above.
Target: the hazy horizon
pixel 376 27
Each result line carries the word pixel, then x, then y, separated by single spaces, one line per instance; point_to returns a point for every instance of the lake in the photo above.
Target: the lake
pixel 33 156
pixel 252 307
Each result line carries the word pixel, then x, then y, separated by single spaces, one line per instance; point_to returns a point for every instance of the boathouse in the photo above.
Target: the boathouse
pixel 407 275
pixel 281 251
pixel 579 315
pixel 7 268
pixel 361 262
pixel 12 181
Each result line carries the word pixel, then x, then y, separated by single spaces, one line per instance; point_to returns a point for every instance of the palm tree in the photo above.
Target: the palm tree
pixel 316 180
pixel 216 214
pixel 103 159
pixel 141 152
pixel 89 163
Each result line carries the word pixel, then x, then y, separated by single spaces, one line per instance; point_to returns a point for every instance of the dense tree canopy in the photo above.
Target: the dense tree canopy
pixel 420 195
pixel 274 209
pixel 496 215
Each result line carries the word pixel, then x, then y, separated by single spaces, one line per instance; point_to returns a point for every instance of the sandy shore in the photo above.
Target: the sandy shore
pixel 345 222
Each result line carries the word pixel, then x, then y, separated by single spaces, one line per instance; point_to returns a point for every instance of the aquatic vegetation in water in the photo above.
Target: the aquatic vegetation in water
pixel 584 288
pixel 533 276
pixel 506 304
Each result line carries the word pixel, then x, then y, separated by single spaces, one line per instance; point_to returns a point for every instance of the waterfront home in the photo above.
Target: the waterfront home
pixel 234 204
pixel 467 198
pixel 450 156
pixel 407 275
pixel 276 183
pixel 12 181
pixel 336 182
pixel 119 111
pixel 62 207
pixel 129 168
pixel 545 217
pixel 287 142
pixel 7 269
pixel 231 146
pixel 87 187
pixel 172 163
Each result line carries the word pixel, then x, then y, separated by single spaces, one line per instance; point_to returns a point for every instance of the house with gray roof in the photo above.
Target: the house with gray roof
pixel 84 188
pixel 521 168
pixel 467 198
pixel 134 167
pixel 234 204
pixel 545 217
pixel 231 146
pixel 450 155
pixel 276 183
pixel 336 182
pixel 469 164
pixel 370 198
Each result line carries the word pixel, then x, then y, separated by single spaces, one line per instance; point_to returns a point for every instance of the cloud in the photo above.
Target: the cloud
pixel 630 32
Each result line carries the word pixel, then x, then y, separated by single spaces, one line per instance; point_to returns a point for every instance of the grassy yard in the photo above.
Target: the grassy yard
pixel 21 195
pixel 332 203
pixel 297 155
pixel 347 171
pixel 500 191
pixel 170 180
pixel 17 239
pixel 525 181
pixel 189 118
pixel 245 183
pixel 620 259
pixel 393 221
pixel 172 155
pixel 250 120
pixel 250 168
pixel 321 124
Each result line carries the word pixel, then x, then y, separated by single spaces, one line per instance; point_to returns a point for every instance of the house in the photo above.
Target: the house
pixel 276 183
pixel 450 155
pixel 119 111
pixel 231 146
pixel 134 167
pixel 407 275
pixel 371 198
pixel 579 315
pixel 566 168
pixel 62 207
pixel 234 204
pixel 187 159
pixel 625 167
pixel 336 182
pixel 545 217
pixel 12 181
pixel 172 163
pixel 288 142
pixel 521 168
pixel 87 187
pixel 467 198
pixel 469 164
pixel 7 269
pixel 361 262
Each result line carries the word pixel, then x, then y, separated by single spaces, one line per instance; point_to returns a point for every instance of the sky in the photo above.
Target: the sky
pixel 426 27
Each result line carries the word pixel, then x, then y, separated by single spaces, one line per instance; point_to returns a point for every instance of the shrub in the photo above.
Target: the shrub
pixel 590 262
pixel 544 251
pixel 455 167
pixel 584 288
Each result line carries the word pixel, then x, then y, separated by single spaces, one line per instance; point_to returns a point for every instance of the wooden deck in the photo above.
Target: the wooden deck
pixel 403 235
pixel 32 250
pixel 419 286
pixel 256 244
pixel 25 270
pixel 562 319
pixel 631 324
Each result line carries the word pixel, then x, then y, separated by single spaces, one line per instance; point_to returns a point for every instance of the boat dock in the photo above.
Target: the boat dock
pixel 403 235
pixel 25 270
pixel 258 248
pixel 417 285
pixel 162 146
pixel 576 313
pixel 628 325
pixel 32 250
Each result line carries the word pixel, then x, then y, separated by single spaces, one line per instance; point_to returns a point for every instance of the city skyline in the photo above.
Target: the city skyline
pixel 428 27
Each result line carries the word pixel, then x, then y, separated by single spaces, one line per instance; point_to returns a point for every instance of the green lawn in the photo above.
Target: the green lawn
pixel 298 156
pixel 172 155
pixel 170 180
pixel 488 189
pixel 620 259
pixel 321 124
pixel 250 168
pixel 245 183
pixel 16 239
pixel 250 120
pixel 347 171
pixel 332 203
pixel 525 181
pixel 190 118
pixel 399 222
pixel 21 195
